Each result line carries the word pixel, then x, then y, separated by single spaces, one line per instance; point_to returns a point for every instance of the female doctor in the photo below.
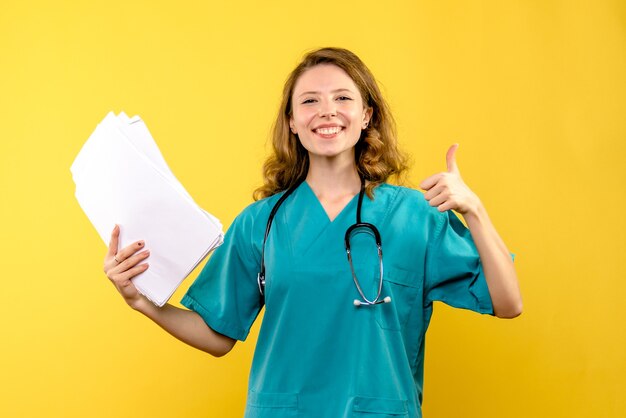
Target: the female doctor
pixel 346 265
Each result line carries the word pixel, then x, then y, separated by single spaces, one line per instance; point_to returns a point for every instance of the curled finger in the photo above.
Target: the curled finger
pixel 128 263
pixel 439 199
pixel 434 191
pixel 130 273
pixel 128 251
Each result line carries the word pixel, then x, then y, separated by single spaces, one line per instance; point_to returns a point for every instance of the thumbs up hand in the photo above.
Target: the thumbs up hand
pixel 446 190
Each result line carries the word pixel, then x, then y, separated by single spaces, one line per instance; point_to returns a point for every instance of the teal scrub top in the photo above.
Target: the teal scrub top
pixel 318 355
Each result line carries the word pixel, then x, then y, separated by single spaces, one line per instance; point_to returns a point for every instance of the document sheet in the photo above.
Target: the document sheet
pixel 122 178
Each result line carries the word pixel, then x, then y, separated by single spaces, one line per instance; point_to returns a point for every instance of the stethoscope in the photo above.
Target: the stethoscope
pixel 357 226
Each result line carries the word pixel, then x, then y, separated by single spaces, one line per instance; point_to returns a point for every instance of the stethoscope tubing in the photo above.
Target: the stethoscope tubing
pixel 261 275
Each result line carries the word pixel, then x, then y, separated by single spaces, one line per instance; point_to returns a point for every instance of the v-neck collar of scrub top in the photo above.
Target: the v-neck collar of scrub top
pixel 307 187
pixel 306 220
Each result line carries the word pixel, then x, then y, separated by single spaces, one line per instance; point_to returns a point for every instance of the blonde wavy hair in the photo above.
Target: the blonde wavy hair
pixel 377 156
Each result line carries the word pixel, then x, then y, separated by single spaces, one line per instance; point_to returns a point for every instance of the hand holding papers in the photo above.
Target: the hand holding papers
pixel 121 178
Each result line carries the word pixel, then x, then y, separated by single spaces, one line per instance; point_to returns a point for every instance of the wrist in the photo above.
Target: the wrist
pixel 142 305
pixel 476 211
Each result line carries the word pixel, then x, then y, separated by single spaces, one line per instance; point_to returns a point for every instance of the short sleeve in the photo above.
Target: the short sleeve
pixel 225 293
pixel 454 273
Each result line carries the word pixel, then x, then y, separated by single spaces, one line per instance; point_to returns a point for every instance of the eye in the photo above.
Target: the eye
pixel 343 98
pixel 308 101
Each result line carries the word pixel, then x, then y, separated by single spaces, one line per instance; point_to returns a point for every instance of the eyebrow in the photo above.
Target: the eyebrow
pixel 317 92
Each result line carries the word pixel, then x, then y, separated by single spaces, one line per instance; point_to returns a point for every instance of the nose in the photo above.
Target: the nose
pixel 327 108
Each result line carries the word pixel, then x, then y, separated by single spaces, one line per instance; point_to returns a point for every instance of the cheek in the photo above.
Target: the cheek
pixel 355 114
pixel 303 119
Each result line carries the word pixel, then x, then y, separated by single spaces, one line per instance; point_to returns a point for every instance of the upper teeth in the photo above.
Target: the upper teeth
pixel 328 131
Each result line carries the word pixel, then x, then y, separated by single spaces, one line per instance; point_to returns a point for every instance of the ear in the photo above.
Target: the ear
pixel 292 126
pixel 367 116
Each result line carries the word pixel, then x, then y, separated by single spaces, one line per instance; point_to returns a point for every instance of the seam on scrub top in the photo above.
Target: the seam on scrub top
pixel 284 220
pixel 392 201
pixel 476 289
pixel 263 206
pixel 429 254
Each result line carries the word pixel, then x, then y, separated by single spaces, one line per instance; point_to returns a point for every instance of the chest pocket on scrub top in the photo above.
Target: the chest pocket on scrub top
pixel 403 287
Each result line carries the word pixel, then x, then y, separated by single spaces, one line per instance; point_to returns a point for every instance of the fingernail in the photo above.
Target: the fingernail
pixel 140 243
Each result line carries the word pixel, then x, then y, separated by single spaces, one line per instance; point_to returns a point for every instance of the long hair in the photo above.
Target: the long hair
pixel 377 156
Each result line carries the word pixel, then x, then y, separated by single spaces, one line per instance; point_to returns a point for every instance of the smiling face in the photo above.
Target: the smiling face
pixel 328 113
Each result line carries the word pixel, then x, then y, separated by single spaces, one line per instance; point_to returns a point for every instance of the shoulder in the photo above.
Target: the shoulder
pixel 401 195
pixel 409 202
pixel 256 213
pixel 260 206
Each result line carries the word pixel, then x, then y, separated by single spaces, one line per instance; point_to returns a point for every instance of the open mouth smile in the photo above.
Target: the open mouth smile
pixel 328 132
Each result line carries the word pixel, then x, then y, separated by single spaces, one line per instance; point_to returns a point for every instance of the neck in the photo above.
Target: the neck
pixel 333 178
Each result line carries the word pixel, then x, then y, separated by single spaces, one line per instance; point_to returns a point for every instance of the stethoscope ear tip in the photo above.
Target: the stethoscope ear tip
pixel 357 303
pixel 387 299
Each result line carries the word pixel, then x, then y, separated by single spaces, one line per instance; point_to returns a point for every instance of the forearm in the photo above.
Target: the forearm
pixel 188 327
pixel 497 264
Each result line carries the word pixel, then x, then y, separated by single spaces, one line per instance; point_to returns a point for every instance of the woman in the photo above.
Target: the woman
pixel 343 331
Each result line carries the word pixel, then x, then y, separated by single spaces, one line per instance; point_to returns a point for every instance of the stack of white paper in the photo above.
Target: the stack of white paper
pixel 121 178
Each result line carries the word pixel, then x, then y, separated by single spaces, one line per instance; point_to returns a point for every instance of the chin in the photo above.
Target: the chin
pixel 328 154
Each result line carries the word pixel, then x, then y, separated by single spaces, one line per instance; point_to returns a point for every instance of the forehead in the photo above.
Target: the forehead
pixel 324 78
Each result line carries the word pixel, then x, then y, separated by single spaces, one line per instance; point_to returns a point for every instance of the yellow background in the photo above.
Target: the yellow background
pixel 534 92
